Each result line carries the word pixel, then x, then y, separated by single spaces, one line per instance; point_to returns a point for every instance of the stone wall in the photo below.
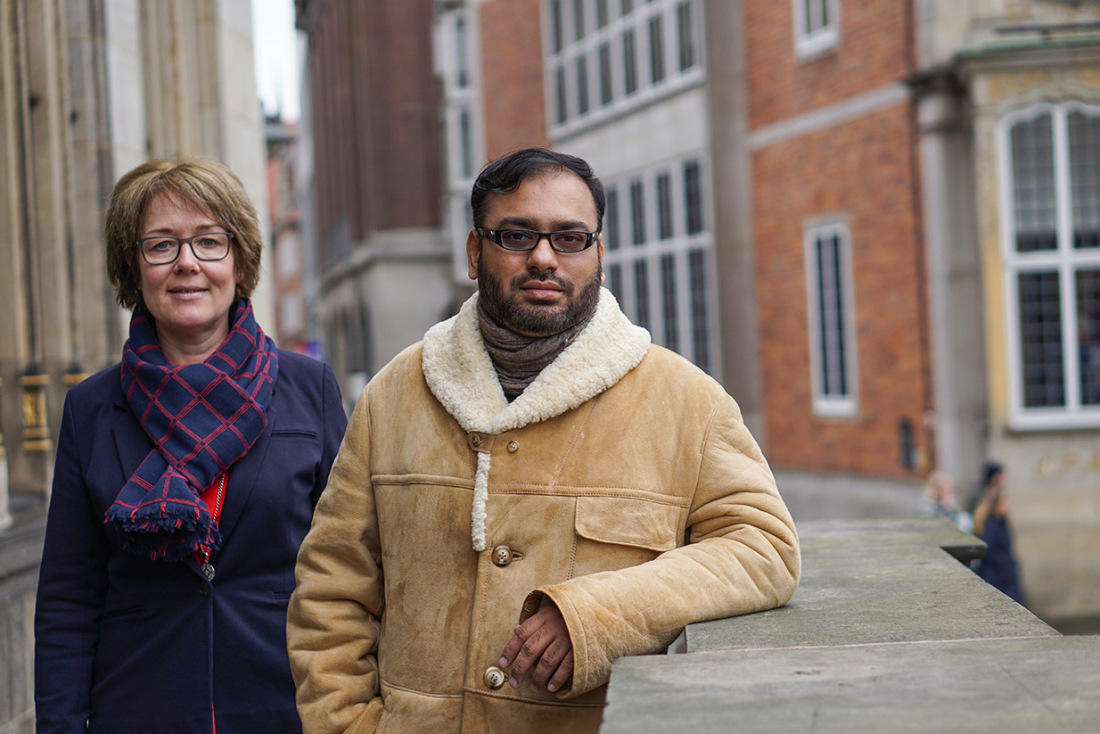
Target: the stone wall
pixel 20 550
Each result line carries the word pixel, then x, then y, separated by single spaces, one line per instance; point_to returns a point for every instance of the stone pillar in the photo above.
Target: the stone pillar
pixel 5 510
pixel 954 274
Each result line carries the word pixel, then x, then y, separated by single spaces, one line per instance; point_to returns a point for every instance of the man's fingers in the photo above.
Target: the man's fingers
pixel 549 665
pixel 519 636
pixel 530 651
pixel 564 672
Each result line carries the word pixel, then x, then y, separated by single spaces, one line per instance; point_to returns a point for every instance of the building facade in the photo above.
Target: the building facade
pixel 88 90
pixel 382 258
pixel 1010 121
pixel 873 222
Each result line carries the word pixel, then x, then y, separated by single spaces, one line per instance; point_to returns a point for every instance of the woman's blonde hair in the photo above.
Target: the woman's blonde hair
pixel 209 186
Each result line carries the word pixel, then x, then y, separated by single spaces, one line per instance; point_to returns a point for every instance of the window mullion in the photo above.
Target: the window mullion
pixel 1063 196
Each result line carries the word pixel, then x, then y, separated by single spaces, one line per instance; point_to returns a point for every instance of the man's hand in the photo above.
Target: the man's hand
pixel 543 642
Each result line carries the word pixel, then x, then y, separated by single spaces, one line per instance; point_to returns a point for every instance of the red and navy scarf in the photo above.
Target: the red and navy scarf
pixel 201 419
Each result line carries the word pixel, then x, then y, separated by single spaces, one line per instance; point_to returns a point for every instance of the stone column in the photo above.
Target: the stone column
pixel 954 273
pixel 5 511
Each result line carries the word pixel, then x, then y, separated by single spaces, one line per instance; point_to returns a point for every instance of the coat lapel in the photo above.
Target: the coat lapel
pixel 131 441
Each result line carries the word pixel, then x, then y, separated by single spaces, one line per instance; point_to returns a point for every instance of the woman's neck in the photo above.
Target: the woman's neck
pixel 183 349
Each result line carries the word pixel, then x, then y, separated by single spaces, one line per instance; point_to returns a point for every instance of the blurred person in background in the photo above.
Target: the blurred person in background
pixel 185 480
pixel 998 565
pixel 939 500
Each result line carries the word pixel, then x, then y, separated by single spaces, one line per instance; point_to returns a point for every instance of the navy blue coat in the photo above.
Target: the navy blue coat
pixel 129 644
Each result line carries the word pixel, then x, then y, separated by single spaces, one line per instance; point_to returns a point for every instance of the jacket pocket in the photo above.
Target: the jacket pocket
pixel 628 521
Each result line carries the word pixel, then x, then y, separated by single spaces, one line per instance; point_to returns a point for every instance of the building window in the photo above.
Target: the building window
pixel 685 36
pixel 831 319
pixel 816 26
pixel 456 40
pixel 466 144
pixel 462 53
pixel 611 219
pixel 1052 255
pixel 641 293
pixel 623 54
pixel 663 279
pixel 699 288
pixel 582 86
pixel 559 86
pixel 669 303
pixel 637 212
pixel 630 64
pixel 656 49
pixel 606 93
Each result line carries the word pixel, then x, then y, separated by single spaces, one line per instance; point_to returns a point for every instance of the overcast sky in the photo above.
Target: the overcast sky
pixel 276 48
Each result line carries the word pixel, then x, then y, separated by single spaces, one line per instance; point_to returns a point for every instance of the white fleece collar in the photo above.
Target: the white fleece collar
pixel 460 374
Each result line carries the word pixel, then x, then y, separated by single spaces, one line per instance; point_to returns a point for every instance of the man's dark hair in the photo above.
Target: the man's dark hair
pixel 505 174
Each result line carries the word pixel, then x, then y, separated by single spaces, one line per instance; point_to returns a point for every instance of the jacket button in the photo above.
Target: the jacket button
pixel 502 555
pixel 513 447
pixel 475 440
pixel 494 677
pixel 204 590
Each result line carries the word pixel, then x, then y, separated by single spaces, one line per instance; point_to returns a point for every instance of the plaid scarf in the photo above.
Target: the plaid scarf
pixel 201 418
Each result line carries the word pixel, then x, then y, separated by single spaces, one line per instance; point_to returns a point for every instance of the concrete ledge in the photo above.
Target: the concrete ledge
pixel 1049 685
pixel 888 632
pixel 869 581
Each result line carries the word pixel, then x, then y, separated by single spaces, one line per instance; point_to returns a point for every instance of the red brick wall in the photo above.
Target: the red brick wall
pixel 873 51
pixel 864 171
pixel 512 76
pixel 375 116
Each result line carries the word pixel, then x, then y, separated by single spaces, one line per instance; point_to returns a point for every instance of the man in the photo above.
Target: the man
pixel 535 460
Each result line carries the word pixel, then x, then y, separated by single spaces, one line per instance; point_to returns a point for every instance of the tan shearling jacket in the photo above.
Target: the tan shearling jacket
pixel 622 484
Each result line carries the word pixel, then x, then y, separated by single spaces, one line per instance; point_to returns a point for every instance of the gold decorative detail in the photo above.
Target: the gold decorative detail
pixel 1046 466
pixel 71 379
pixel 36 430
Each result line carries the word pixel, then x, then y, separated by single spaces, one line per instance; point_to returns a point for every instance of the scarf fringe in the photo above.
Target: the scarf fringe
pixel 168 531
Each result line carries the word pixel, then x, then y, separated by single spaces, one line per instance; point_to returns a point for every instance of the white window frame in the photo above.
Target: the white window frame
pixel 1064 260
pixel 809 38
pixel 680 246
pixel 637 20
pixel 459 99
pixel 824 403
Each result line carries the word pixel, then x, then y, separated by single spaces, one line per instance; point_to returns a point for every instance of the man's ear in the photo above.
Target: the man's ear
pixel 599 258
pixel 473 253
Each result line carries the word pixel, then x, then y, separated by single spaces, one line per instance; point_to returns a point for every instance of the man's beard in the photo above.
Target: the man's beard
pixel 534 319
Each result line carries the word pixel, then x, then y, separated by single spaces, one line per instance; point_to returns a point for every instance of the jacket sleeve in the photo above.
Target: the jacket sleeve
pixel 72 590
pixel 333 619
pixel 742 556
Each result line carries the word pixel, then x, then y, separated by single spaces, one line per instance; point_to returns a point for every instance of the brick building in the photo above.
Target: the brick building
pixel 836 217
pixel 372 116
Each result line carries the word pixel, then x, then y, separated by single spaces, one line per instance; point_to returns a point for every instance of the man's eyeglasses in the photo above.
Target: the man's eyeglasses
pixel 525 240
pixel 162 250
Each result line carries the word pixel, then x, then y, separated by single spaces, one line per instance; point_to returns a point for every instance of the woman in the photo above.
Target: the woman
pixel 998 565
pixel 186 478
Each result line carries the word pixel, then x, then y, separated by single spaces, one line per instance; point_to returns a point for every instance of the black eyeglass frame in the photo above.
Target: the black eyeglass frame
pixel 497 236
pixel 181 241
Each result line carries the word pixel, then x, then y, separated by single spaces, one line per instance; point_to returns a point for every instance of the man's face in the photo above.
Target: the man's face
pixel 540 292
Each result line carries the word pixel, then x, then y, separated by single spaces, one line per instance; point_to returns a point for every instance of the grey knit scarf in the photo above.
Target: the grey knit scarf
pixel 519 359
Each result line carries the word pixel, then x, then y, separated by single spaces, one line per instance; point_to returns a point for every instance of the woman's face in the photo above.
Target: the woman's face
pixel 189 298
